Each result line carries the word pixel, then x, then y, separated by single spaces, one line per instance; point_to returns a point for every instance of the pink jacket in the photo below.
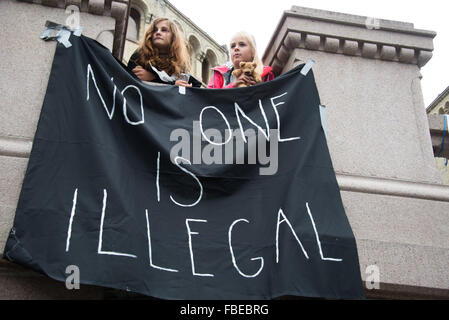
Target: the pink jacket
pixel 217 80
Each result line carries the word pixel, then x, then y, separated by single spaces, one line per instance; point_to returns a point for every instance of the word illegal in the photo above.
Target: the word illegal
pixel 281 218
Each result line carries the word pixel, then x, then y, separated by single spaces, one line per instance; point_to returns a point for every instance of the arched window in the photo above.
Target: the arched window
pixel 194 50
pixel 205 66
pixel 209 62
pixel 133 25
pixel 106 38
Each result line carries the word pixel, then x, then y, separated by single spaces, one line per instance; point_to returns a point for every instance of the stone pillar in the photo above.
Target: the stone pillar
pixel 25 64
pixel 368 76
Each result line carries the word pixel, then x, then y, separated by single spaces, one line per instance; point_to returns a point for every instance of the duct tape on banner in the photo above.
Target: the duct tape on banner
pixel 323 118
pixel 78 30
pixel 182 90
pixel 63 38
pixel 59 32
pixel 305 70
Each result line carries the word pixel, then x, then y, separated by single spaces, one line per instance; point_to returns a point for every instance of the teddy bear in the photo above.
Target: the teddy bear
pixel 248 68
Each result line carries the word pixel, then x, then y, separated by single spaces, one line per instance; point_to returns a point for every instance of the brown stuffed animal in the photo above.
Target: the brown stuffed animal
pixel 248 69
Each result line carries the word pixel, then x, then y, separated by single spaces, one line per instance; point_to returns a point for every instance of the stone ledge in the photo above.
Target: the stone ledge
pixel 352 47
pixel 351 19
pixel 340 33
pixel 391 187
pixel 403 292
pixel 24 283
pixel 15 147
pixel 18 147
pixel 410 268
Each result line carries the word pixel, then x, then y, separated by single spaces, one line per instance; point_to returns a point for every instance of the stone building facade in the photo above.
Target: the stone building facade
pixel 25 63
pixel 23 85
pixel 368 76
pixel 441 104
pixel 377 128
pixel 438 130
pixel 204 51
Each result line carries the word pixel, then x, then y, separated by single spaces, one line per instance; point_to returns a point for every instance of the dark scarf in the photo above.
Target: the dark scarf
pixel 163 63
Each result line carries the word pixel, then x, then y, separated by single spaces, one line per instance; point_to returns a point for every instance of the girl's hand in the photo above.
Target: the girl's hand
pixel 143 74
pixel 246 80
pixel 182 83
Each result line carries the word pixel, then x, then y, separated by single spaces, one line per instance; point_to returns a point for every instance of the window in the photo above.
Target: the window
pixel 133 25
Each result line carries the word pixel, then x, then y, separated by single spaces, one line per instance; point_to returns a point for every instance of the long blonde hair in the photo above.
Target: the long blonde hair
pixel 178 59
pixel 252 44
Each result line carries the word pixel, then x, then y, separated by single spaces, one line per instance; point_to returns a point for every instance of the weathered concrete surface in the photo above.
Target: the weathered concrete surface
pixel 374 108
pixel 25 61
pixel 409 247
pixel 25 64
pixel 368 77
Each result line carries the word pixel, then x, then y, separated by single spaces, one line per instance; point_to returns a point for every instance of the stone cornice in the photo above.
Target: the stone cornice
pixel 390 187
pixel 198 29
pixel 117 9
pixel 20 147
pixel 349 35
pixel 438 99
pixel 361 21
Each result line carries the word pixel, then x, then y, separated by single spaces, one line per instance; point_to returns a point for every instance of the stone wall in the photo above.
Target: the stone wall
pixel 368 76
pixel 25 64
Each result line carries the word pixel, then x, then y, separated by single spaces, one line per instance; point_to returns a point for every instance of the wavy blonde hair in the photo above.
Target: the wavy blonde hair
pixel 252 44
pixel 178 59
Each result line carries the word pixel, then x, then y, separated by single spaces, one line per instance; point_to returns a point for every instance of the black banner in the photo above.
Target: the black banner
pixel 182 194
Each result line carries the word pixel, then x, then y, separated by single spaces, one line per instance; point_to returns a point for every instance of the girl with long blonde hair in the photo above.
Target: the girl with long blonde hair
pixel 243 49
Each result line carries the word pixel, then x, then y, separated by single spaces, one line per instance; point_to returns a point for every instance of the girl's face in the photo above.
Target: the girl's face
pixel 240 51
pixel 162 36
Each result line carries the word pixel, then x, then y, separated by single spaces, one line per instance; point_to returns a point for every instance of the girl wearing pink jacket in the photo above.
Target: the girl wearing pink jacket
pixel 243 49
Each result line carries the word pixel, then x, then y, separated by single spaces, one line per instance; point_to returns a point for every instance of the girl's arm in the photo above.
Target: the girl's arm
pixel 143 74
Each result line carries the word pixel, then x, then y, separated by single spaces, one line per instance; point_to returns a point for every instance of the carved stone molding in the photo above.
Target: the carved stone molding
pixel 17 147
pixel 117 9
pixel 350 35
pixel 390 187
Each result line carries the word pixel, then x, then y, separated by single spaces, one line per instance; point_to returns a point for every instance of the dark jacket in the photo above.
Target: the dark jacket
pixel 132 63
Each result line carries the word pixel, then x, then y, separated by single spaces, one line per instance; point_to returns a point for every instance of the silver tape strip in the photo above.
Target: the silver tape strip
pixel 78 31
pixel 323 119
pixel 305 70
